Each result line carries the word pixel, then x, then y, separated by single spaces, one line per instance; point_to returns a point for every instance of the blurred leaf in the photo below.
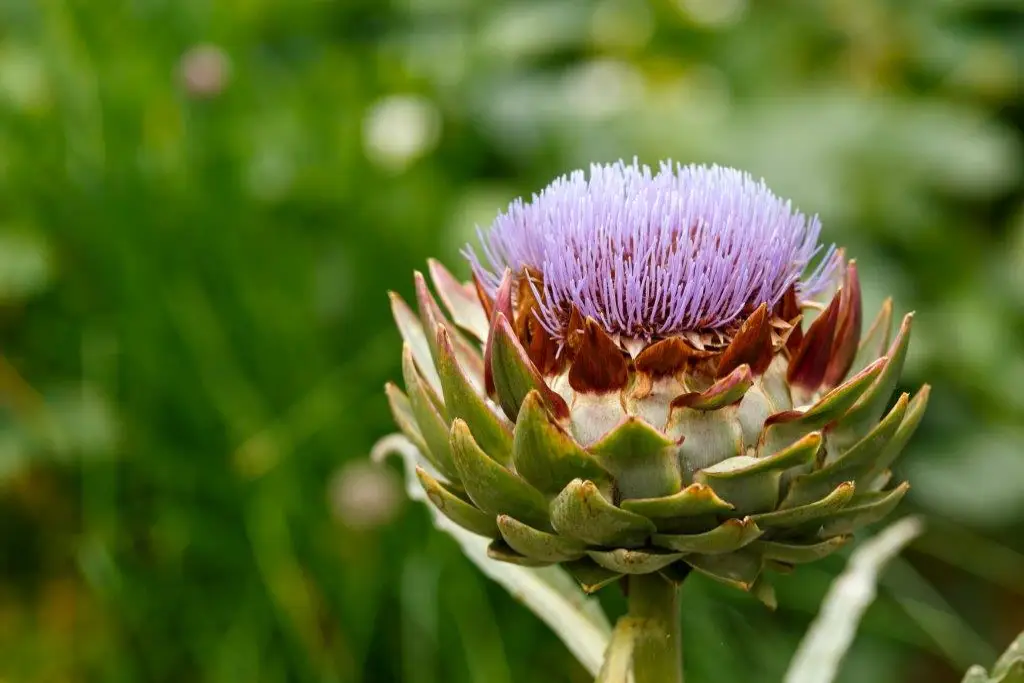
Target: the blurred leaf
pixel 25 267
pixel 13 454
pixel 934 615
pixel 618 660
pixel 80 421
pixel 74 422
pixel 830 636
pixel 1008 669
pixel 978 479
pixel 531 28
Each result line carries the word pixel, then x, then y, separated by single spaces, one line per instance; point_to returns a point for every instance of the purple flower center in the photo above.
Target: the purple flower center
pixel 654 254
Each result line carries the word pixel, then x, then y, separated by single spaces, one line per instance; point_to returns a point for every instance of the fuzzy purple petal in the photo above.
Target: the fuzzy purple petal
pixel 651 254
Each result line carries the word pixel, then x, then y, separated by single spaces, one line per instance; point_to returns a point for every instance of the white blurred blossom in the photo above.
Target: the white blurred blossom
pixel 364 496
pixel 204 71
pixel 399 129
pixel 602 88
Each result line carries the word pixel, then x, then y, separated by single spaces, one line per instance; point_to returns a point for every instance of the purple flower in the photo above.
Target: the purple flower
pixel 654 254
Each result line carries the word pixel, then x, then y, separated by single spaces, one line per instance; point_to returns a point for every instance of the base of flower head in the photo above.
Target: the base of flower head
pixel 729 459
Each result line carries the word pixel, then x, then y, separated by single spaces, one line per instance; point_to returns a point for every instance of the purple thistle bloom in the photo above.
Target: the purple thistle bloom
pixel 654 254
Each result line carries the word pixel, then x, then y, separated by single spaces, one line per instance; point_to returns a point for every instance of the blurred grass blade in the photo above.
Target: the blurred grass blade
pixel 953 635
pixel 421 576
pixel 479 629
pixel 972 552
pixel 618 660
pixel 549 592
pixel 823 648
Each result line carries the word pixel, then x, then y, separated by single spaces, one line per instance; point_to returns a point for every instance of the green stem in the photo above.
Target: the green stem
pixel 658 653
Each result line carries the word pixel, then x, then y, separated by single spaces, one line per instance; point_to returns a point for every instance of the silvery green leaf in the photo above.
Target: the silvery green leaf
pixel 976 674
pixel 830 636
pixel 1011 661
pixel 618 661
pixel 1008 669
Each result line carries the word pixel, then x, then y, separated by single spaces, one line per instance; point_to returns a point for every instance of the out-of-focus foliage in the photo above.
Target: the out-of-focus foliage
pixel 203 203
pixel 1009 668
pixel 821 652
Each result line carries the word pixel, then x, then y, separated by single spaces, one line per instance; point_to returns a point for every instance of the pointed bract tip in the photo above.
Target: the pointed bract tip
pixel 425 299
pixel 496 319
pixel 599 366
pixel 460 428
pixel 848 329
pixel 660 359
pixel 486 302
pixel 500 305
pixel 741 523
pixel 398 303
pixel 808 365
pixel 438 271
pixel 872 367
pixel 503 296
pixel 726 391
pixel 902 332
pixel 752 345
pixel 514 374
pixel 444 341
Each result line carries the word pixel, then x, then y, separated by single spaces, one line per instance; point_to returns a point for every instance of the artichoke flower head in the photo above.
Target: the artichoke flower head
pixel 629 384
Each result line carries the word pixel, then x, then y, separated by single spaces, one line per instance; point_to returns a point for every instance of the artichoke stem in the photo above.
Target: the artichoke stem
pixel 657 654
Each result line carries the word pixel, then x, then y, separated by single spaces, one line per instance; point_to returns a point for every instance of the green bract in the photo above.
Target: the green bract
pixel 760 446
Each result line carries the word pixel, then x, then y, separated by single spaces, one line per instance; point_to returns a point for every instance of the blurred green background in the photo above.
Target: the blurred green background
pixel 203 203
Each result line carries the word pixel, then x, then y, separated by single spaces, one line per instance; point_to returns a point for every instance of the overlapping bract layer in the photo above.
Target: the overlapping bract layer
pixel 764 451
